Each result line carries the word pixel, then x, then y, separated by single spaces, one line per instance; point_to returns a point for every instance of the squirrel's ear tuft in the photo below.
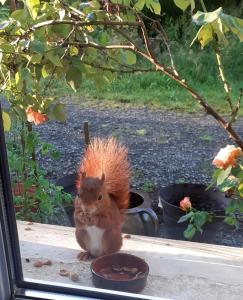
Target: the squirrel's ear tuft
pixel 103 178
pixel 83 175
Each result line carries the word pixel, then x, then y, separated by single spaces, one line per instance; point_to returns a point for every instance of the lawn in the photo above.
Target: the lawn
pixel 198 66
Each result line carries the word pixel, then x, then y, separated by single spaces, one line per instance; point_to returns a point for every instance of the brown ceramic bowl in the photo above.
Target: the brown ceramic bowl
pixel 120 271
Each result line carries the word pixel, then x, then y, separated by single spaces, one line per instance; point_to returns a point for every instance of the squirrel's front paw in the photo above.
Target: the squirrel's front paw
pixel 93 221
pixel 84 217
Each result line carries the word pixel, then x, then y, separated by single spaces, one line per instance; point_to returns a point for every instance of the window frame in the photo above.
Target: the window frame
pixel 12 265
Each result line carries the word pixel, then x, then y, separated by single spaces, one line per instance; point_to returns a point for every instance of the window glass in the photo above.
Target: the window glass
pixel 118 182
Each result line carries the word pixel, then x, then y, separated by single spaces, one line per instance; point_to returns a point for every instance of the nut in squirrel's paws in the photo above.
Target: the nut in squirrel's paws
pixel 93 220
pixel 84 217
pixel 84 256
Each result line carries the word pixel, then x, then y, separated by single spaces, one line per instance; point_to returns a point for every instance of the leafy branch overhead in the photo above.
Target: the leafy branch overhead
pixel 216 24
pixel 73 41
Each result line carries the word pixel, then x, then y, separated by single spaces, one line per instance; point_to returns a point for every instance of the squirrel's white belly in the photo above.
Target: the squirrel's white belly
pixel 95 240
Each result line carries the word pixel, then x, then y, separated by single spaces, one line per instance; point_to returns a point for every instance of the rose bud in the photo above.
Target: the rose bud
pixel 185 204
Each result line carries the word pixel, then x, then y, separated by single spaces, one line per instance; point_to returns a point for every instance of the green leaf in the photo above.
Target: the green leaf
pixel 104 38
pixel 6 121
pixel 200 218
pixel 141 132
pixel 227 185
pixel 189 232
pixel 216 174
pixel 73 51
pixel 62 30
pixel 7 48
pixel 139 4
pixel 223 175
pixel 44 71
pixel 202 18
pixel 37 46
pixel 240 189
pixel 18 81
pixel 59 112
pixel 186 217
pixel 155 6
pixel 130 58
pixel 21 15
pixel 231 221
pixel 54 59
pixel 55 154
pixel 4 24
pixel 204 35
pixel 33 7
pixel 35 58
pixel 183 4
pixel 74 77
pixel 235 25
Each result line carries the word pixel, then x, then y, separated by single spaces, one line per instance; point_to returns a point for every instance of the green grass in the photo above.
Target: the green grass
pixel 206 138
pixel 148 186
pixel 158 91
pixel 141 132
pixel 155 90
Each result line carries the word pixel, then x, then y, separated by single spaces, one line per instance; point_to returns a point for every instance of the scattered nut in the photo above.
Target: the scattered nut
pixel 74 276
pixel 47 262
pixel 127 236
pixel 116 268
pixel 130 270
pixel 27 228
pixel 64 272
pixel 133 271
pixel 38 264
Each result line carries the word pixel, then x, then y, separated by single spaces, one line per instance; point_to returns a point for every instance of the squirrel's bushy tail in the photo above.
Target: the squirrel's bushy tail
pixel 109 157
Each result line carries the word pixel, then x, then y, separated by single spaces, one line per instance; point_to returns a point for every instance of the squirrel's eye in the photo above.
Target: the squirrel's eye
pixel 100 197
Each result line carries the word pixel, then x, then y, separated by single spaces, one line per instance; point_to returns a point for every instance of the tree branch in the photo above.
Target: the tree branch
pixel 79 24
pixel 164 37
pixel 135 70
pixel 222 76
pixel 237 108
pixel 12 5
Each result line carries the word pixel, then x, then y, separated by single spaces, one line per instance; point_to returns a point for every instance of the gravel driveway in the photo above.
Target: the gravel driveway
pixel 164 147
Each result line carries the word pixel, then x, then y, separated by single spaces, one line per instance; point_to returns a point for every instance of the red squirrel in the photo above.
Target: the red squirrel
pixel 102 197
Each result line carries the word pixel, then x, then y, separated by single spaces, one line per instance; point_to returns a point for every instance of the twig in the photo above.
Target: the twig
pixel 97 46
pixel 98 66
pixel 163 34
pixel 203 6
pixel 33 154
pixel 146 38
pixel 78 24
pixel 49 82
pixel 237 108
pixel 13 5
pixel 222 76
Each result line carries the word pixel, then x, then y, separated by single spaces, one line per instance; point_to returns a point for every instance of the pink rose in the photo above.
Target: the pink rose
pixel 36 117
pixel 227 156
pixel 185 204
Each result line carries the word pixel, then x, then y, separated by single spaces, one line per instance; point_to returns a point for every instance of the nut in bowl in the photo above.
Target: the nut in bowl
pixel 120 271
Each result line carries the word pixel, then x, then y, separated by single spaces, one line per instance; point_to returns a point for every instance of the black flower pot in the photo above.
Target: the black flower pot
pixel 208 200
pixel 140 218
